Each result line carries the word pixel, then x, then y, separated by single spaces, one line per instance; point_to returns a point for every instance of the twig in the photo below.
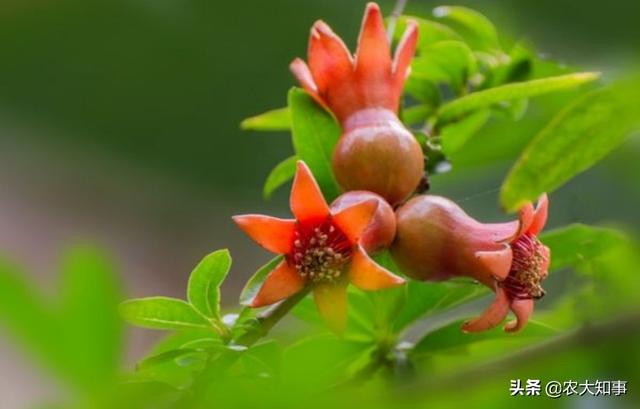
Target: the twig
pixel 269 318
pixel 393 18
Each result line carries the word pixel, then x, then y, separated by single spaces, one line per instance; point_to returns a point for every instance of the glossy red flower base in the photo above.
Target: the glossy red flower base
pixel 436 240
pixel 376 152
pixel 381 230
pixel 321 247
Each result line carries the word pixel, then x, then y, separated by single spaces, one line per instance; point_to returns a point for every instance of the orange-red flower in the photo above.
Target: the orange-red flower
pixel 376 152
pixel 321 249
pixel 372 79
pixel 437 240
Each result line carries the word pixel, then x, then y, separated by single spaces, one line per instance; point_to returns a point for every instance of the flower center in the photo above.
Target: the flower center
pixel 320 251
pixel 528 268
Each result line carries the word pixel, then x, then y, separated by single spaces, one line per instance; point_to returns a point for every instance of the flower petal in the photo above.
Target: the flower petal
pixel 523 310
pixel 539 215
pixel 302 73
pixel 329 59
pixel 354 219
pixel 368 275
pixel 496 262
pixel 492 316
pixel 510 232
pixel 404 53
pixel 331 300
pixel 525 218
pixel 306 201
pixel 373 57
pixel 282 282
pixel 275 235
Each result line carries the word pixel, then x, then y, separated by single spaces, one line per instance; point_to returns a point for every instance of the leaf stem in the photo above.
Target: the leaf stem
pixel 269 318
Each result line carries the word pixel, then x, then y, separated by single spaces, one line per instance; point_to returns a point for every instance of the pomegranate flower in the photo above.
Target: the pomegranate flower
pixel 321 248
pixel 376 152
pixel 437 240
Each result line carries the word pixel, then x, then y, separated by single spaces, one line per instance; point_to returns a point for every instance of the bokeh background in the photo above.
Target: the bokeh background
pixel 119 125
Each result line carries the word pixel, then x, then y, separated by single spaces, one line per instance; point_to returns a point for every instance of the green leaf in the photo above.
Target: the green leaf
pixel 90 324
pixel 517 67
pixel 80 338
pixel 475 28
pixel 183 339
pixel 423 90
pixel 577 243
pixel 456 134
pixel 450 336
pixel 163 357
pixel 429 298
pixel 203 291
pixel 26 318
pixel 255 282
pixel 430 31
pixel 577 138
pixel 274 120
pixel 513 110
pixel 489 97
pixel 329 357
pixel 450 62
pixel 416 114
pixel 315 134
pixel 162 313
pixel 281 174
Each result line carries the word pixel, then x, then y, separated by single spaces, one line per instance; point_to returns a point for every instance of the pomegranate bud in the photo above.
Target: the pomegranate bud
pixel 376 152
pixel 436 240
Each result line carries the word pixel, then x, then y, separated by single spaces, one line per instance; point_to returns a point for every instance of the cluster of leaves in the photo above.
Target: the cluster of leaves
pixel 466 79
pixel 467 83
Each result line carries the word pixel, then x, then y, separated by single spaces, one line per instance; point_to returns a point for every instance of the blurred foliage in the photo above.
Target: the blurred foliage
pixel 79 336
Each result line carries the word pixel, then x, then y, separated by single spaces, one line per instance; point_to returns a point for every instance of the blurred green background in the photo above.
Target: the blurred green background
pixel 119 125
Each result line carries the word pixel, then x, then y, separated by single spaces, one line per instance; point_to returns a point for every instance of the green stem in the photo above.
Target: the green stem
pixel 397 11
pixel 269 318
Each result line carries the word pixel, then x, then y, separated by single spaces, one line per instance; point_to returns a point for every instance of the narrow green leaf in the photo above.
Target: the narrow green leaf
pixel 163 357
pixel 450 336
pixel 429 298
pixel 449 62
pixel 27 319
pixel 456 134
pixel 255 282
pixel 577 138
pixel 315 134
pixel 430 31
pixel 182 338
pixel 575 244
pixel 423 90
pixel 476 29
pixel 486 98
pixel 281 174
pixel 90 324
pixel 203 291
pixel 162 313
pixel 274 120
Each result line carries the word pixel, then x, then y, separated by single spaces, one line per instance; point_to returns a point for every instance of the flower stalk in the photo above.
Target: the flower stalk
pixel 269 318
